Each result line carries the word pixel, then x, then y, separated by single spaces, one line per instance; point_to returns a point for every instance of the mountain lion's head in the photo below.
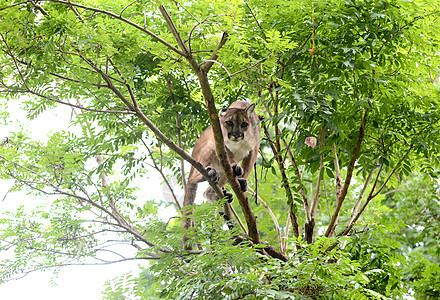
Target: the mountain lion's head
pixel 236 122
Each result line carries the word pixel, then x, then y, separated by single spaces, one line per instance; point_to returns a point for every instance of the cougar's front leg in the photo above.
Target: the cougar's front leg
pixel 246 167
pixel 238 172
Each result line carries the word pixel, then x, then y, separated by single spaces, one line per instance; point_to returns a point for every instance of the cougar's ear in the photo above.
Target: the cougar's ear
pixel 250 110
pixel 223 112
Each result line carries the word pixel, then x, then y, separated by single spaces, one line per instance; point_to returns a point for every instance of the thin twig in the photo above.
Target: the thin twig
pixel 255 18
pixel 178 127
pixel 275 221
pixel 127 6
pixel 116 16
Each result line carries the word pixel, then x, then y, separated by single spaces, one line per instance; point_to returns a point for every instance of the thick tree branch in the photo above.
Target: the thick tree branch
pixel 220 149
pixel 338 180
pixel 218 136
pixel 38 7
pixel 179 151
pixel 174 31
pixel 138 112
pixel 270 250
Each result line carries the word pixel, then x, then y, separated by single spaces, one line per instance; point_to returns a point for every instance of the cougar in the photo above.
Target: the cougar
pixel 241 134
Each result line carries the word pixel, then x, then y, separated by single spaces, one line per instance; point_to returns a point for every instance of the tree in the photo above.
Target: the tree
pixel 349 108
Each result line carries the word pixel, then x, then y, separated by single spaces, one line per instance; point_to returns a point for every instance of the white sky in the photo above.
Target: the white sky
pixel 73 282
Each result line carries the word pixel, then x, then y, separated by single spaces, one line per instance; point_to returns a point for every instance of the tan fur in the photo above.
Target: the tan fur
pixel 242 144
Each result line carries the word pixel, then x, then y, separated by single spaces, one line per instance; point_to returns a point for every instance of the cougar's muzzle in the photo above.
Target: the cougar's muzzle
pixel 235 136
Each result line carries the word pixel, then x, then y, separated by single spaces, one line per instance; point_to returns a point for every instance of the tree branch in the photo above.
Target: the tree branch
pixel 341 198
pixel 274 219
pixel 255 18
pixel 371 195
pixel 285 182
pixel 358 202
pixel 218 136
pixel 174 31
pixel 160 135
pixel 214 55
pixel 178 127
pixel 318 186
pixel 301 190
pixel 80 107
pixel 55 188
pixel 118 17
pixel 338 180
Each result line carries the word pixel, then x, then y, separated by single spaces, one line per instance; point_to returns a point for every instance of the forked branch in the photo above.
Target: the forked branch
pixel 341 198
pixel 218 136
pixel 214 55
pixel 374 194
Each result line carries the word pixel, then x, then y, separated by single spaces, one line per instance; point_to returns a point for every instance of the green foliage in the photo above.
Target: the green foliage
pixel 128 286
pixel 355 75
pixel 242 272
pixel 44 238
pixel 426 278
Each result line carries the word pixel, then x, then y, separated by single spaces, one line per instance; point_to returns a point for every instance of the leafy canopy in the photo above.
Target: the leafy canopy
pixel 349 98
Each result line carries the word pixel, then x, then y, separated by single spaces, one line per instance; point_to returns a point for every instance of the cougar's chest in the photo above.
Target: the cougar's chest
pixel 239 150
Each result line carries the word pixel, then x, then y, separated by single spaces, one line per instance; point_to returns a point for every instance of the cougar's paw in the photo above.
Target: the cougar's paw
pixel 212 173
pixel 243 184
pixel 237 170
pixel 228 195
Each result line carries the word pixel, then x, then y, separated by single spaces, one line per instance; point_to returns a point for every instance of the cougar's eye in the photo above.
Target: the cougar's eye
pixel 230 123
pixel 244 125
